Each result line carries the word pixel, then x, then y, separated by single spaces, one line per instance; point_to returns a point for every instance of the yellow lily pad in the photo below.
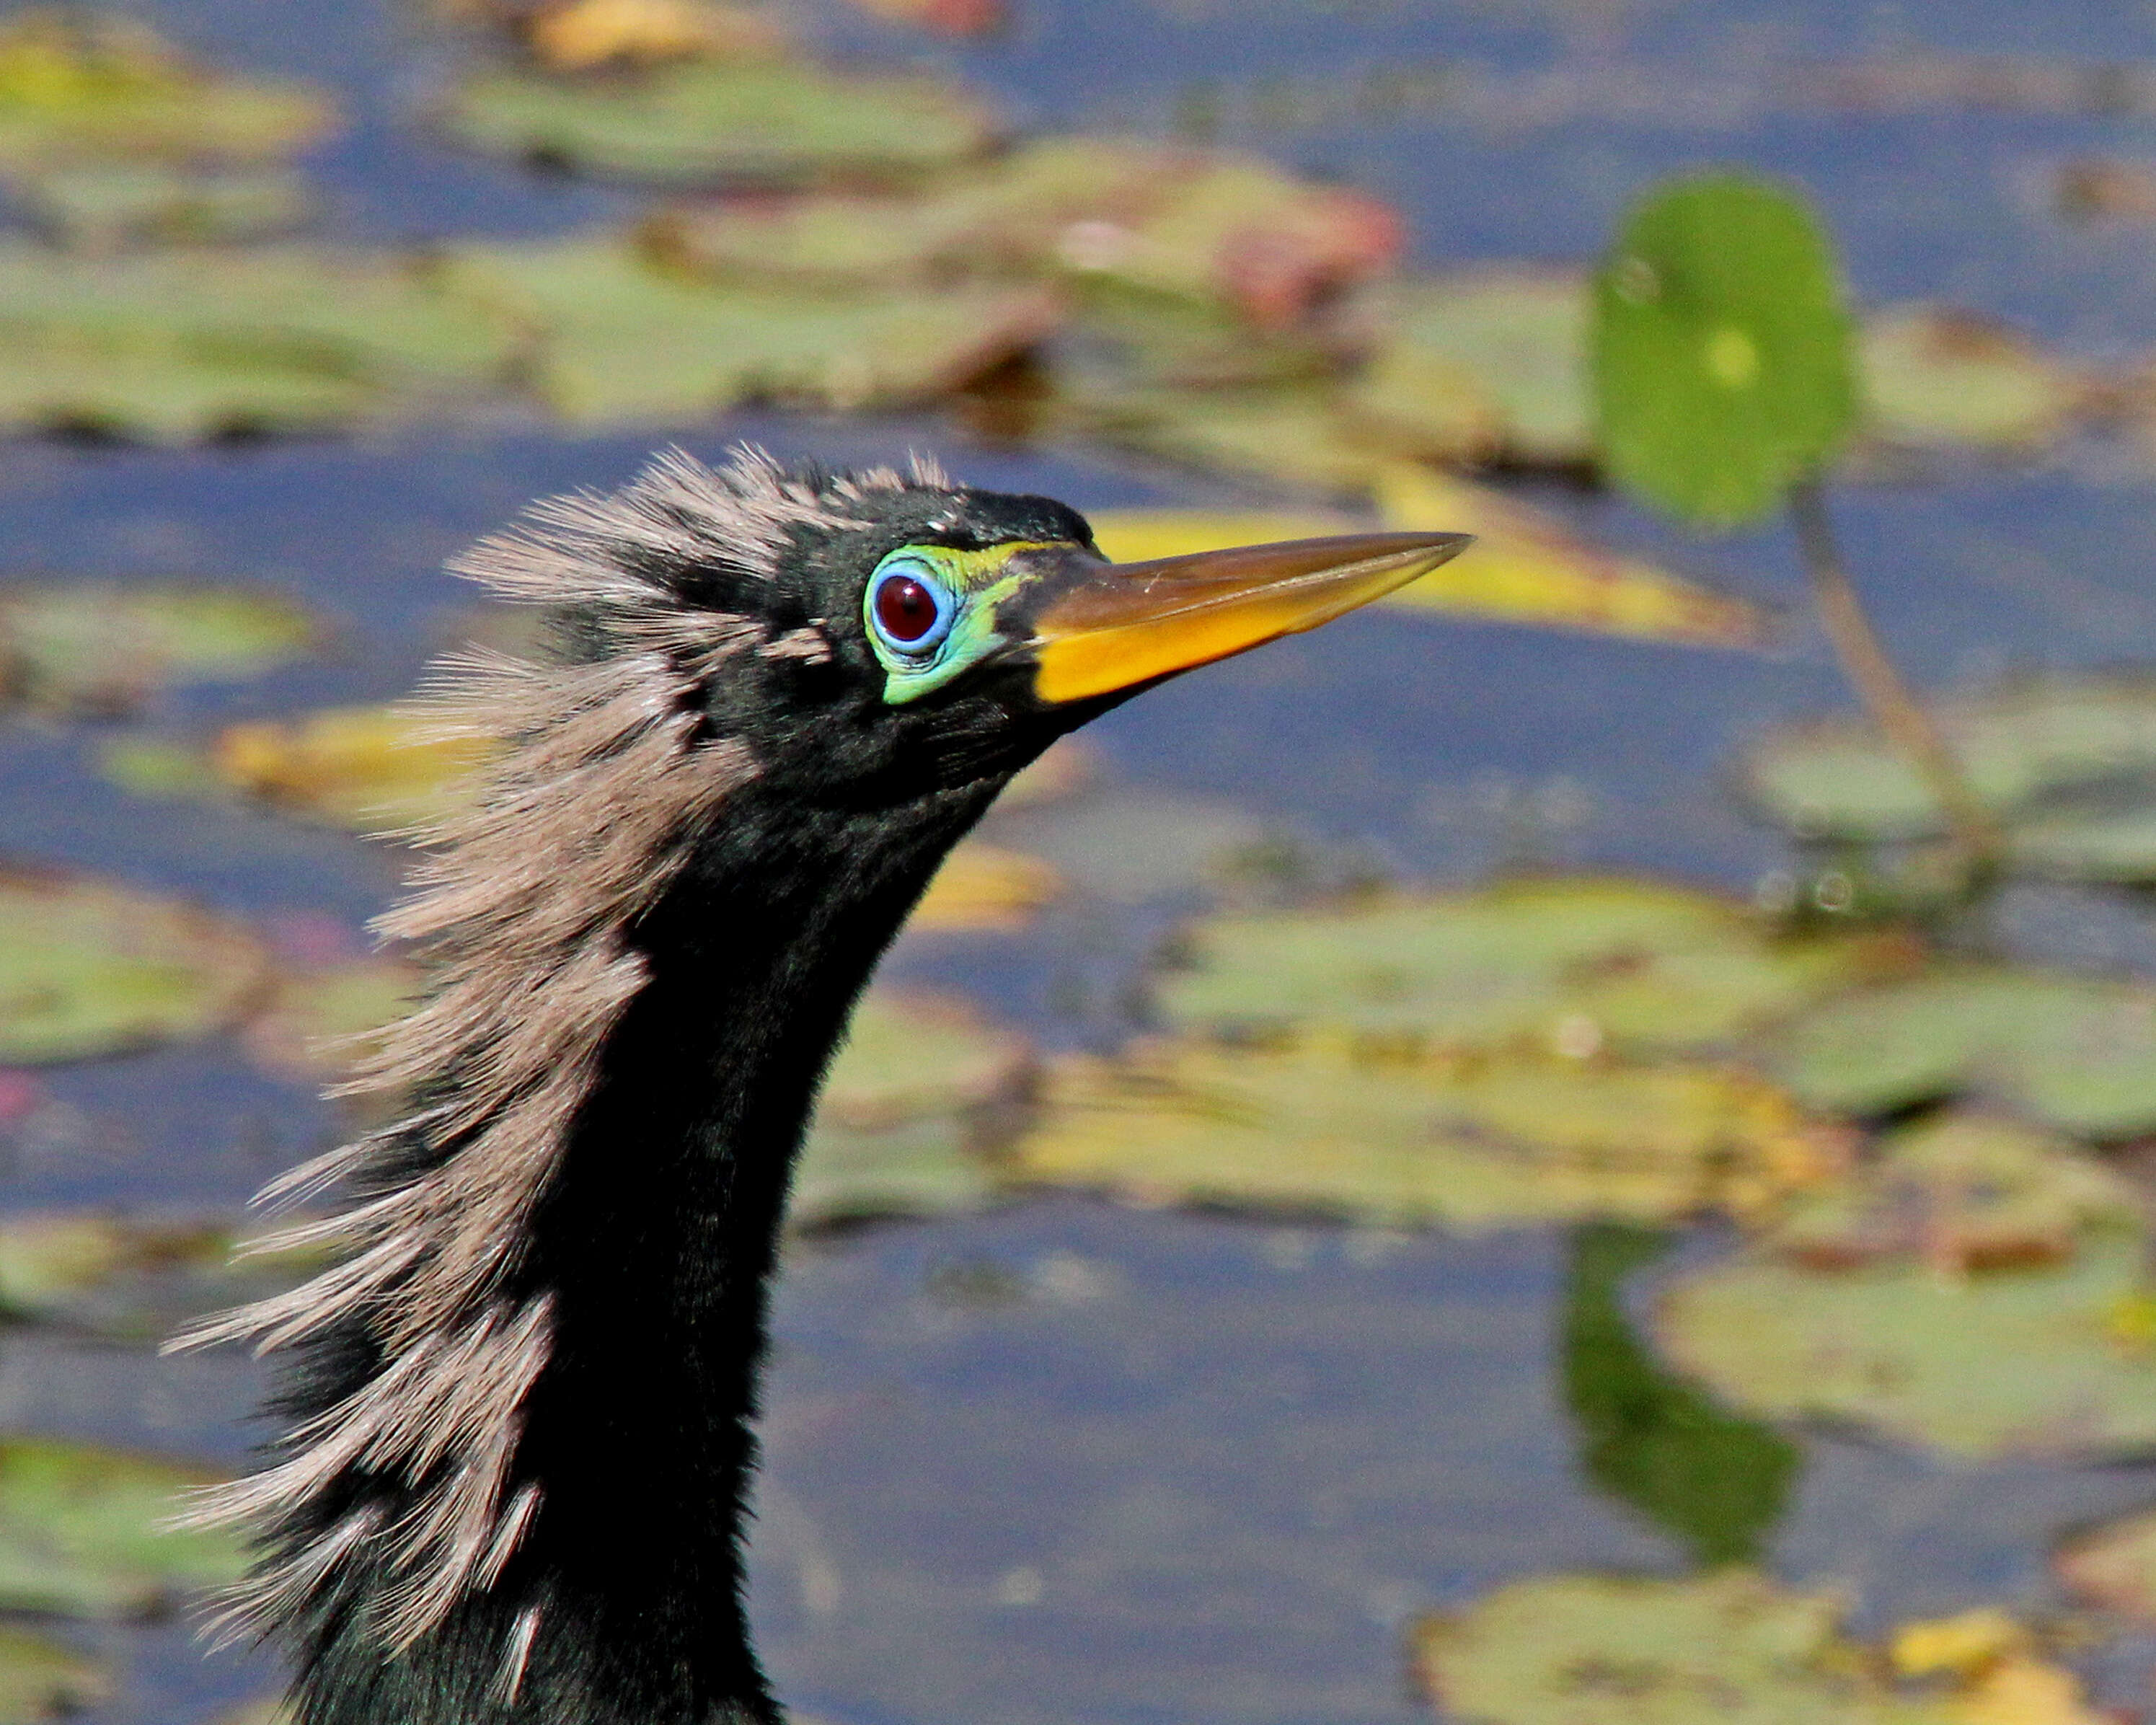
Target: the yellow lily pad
pixel 918 1094
pixel 96 647
pixel 983 888
pixel 76 84
pixel 1568 965
pixel 1469 1144
pixel 366 768
pixel 763 121
pixel 580 35
pixel 1728 1648
pixel 91 967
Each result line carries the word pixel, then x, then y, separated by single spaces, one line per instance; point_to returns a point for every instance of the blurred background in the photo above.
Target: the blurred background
pixel 1536 1155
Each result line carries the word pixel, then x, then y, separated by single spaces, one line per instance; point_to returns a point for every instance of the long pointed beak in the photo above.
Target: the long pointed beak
pixel 1117 626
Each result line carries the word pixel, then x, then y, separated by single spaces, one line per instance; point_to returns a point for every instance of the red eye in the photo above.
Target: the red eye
pixel 906 609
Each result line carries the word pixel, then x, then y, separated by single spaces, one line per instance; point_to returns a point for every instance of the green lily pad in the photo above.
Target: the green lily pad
pixel 917 1096
pixel 771 122
pixel 74 86
pixel 103 207
pixel 318 1019
pixel 91 967
pixel 1570 964
pixel 1650 1440
pixel 97 647
pixel 2032 1362
pixel 1936 377
pixel 2069 764
pixel 82 1530
pixel 42 1680
pixel 1296 433
pixel 1723 362
pixel 1498 356
pixel 1469 1144
pixel 2075 1053
pixel 623 342
pixel 1729 1648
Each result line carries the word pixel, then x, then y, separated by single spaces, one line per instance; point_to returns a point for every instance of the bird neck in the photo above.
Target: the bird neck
pixel 652 1248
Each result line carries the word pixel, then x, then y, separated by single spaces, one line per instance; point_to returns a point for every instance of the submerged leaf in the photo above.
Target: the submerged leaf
pixel 94 646
pixel 2014 1362
pixel 1717 1482
pixel 2077 1053
pixel 1469 1144
pixel 711 121
pixel 916 1097
pixel 91 967
pixel 84 1533
pixel 1569 965
pixel 1722 353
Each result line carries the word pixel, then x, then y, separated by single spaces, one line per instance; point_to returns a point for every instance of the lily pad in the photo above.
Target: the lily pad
pixel 104 207
pixel 917 1095
pixel 83 1532
pixel 40 1679
pixel 1723 359
pixel 620 341
pixel 1573 965
pixel 370 769
pixel 97 647
pixel 1962 1193
pixel 984 888
pixel 1295 433
pixel 2114 1566
pixel 1936 377
pixel 580 35
pixel 1469 1144
pixel 2070 764
pixel 76 86
pixel 2077 1052
pixel 1497 356
pixel 766 122
pixel 91 967
pixel 317 1020
pixel 1729 1648
pixel 2030 1363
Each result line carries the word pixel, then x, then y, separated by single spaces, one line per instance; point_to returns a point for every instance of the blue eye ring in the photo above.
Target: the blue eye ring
pixel 908 609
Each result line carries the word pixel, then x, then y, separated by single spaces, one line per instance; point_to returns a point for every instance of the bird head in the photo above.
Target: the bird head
pixel 932 637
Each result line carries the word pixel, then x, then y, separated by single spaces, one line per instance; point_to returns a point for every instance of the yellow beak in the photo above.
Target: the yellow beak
pixel 1123 624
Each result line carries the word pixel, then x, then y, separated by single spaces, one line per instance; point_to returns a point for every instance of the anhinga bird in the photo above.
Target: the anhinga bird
pixel 517 1429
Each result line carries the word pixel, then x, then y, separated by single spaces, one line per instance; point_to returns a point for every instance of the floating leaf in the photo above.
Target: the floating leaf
pixel 1717 1482
pixel 622 342
pixel 2014 1363
pixel 914 1099
pixel 1729 1648
pixel 944 17
pixel 74 86
pixel 2077 1053
pixel 1723 359
pixel 1294 433
pixel 1960 1193
pixel 131 1279
pixel 83 1531
pixel 1472 1144
pixel 104 207
pixel 90 968
pixel 367 767
pixel 93 646
pixel 1567 964
pixel 42 1680
pixel 1962 1645
pixel 1498 356
pixel 1933 376
pixel 1132 535
pixel 579 35
pixel 2114 1566
pixel 984 888
pixel 316 1022
pixel 762 122
pixel 1525 567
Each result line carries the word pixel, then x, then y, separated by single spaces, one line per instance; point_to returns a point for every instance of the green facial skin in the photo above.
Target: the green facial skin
pixel 977 581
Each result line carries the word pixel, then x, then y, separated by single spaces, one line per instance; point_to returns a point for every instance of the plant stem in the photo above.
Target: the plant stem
pixel 1892 703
